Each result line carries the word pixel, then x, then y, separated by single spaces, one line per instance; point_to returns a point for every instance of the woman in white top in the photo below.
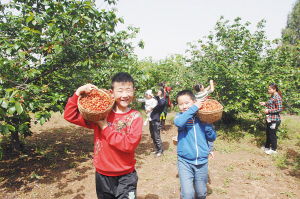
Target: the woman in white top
pixel 202 93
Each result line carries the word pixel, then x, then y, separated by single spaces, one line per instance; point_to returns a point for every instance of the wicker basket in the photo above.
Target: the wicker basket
pixel 92 115
pixel 210 116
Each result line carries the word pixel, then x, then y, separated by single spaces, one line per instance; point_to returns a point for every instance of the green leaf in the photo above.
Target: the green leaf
pixel 16 46
pixel 31 105
pixel 42 120
pixel 11 127
pixel 4 129
pixel 13 93
pixel 57 48
pixel 29 19
pixel 32 30
pixel 87 18
pixel 19 107
pixel 8 51
pixel 4 104
pixel 11 110
pixel 111 49
pixel 22 54
pixel 121 20
pixel 98 33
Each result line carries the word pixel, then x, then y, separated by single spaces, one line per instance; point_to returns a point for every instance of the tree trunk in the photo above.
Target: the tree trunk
pixel 228 118
pixel 15 142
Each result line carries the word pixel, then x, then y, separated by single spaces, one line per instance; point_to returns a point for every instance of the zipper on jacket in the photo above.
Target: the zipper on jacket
pixel 196 144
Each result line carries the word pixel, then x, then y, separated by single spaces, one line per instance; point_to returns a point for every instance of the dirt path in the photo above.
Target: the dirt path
pixel 61 167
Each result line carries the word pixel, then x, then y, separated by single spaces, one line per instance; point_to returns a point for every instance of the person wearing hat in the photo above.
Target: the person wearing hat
pixel 155 125
pixel 150 104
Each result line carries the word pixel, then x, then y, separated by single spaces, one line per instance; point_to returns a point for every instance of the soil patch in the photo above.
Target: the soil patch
pixel 58 164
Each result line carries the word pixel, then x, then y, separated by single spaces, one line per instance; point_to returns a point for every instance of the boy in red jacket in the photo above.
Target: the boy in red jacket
pixel 115 139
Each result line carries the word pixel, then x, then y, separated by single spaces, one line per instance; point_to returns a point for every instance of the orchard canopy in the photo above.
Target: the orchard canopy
pixel 50 47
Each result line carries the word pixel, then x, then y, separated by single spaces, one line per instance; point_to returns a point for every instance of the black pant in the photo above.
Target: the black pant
pixel 271 140
pixel 116 187
pixel 154 127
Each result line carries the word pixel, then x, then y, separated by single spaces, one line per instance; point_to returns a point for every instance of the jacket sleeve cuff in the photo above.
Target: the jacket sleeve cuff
pixel 194 108
pixel 74 98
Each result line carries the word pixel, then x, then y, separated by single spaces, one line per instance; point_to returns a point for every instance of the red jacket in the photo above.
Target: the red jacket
pixel 168 89
pixel 114 146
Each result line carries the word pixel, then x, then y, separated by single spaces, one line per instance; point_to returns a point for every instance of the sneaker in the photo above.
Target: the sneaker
pixel 270 152
pixel 154 152
pixel 159 154
pixel 264 148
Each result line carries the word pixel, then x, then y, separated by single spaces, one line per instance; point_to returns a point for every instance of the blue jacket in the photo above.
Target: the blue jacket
pixel 193 137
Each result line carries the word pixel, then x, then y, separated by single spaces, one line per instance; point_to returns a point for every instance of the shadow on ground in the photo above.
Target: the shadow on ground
pixel 167 127
pixel 292 159
pixel 49 154
pixel 288 158
pixel 237 130
pixel 149 196
pixel 146 146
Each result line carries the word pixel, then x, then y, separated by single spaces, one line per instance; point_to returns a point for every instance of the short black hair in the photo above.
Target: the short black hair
pixel 198 87
pixel 185 92
pixel 162 84
pixel 122 77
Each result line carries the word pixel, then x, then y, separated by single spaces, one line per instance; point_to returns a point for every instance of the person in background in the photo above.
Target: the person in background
pixel 272 109
pixel 167 90
pixel 150 104
pixel 192 147
pixel 202 93
pixel 115 139
pixel 154 124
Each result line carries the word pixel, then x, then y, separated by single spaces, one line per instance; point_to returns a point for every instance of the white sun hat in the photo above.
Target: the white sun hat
pixel 149 92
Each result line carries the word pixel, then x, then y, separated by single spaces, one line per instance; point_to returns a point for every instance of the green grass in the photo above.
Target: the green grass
pixel 292 123
pixel 242 134
pixel 281 161
pixel 230 168
pixel 227 182
pixel 253 176
pixel 35 176
pixel 220 190
pixel 289 145
pixel 288 194
pixel 73 164
pixel 226 147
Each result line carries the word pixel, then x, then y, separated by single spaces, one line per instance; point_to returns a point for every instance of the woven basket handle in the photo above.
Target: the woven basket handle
pixel 102 91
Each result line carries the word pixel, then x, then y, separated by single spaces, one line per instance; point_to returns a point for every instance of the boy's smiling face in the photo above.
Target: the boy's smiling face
pixel 185 102
pixel 123 92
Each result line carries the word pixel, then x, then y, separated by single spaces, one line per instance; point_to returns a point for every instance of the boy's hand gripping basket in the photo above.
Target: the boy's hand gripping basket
pixel 211 111
pixel 95 105
pixel 175 141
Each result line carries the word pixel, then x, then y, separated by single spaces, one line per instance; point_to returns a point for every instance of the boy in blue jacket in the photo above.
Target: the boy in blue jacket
pixel 192 148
